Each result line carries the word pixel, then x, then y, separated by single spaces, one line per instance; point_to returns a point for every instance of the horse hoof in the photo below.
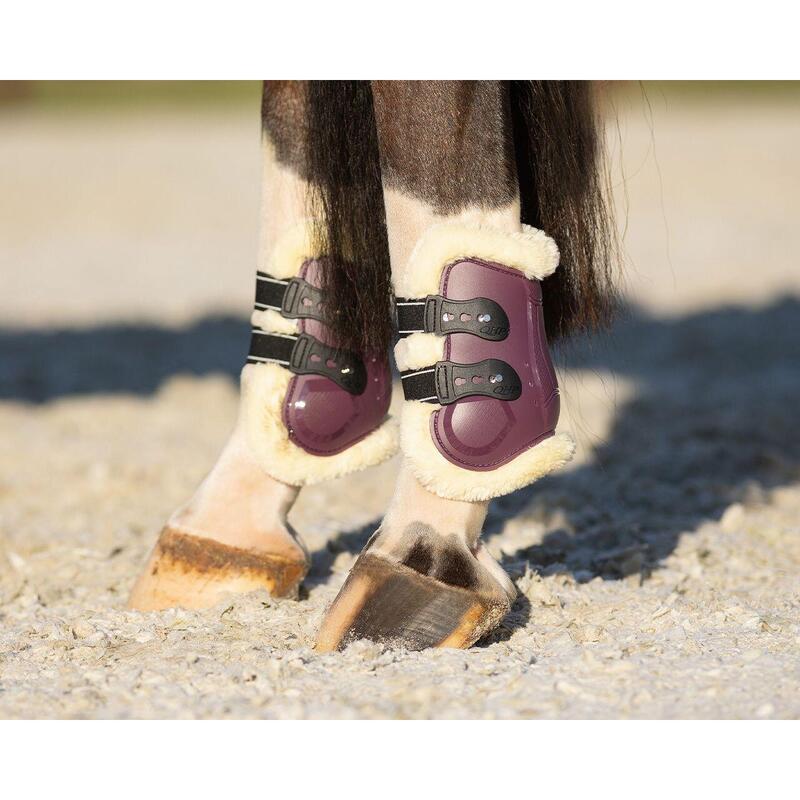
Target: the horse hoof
pixel 387 601
pixel 195 572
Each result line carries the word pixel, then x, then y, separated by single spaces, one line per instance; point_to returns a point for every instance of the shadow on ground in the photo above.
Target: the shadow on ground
pixel 37 366
pixel 713 421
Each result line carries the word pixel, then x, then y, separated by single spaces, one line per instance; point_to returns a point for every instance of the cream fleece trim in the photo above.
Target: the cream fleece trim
pixel 271 321
pixel 295 246
pixel 530 251
pixel 264 388
pixel 419 350
pixel 452 482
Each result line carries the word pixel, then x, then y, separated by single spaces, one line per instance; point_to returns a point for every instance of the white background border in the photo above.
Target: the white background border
pixel 608 39
pixel 409 760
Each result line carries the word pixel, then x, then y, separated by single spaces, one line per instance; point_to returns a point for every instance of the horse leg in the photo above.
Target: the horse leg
pixel 233 535
pixel 447 162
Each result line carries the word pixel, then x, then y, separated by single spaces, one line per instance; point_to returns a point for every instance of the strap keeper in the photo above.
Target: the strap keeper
pixel 310 356
pixel 445 382
pixel 293 299
pixel 435 314
pixel 307 355
pixel 301 300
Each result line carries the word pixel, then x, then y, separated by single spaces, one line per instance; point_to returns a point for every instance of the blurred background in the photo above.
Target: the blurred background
pixel 128 229
pixel 137 202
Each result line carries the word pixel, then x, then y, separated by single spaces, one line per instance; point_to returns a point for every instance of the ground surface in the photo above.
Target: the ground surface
pixel 659 576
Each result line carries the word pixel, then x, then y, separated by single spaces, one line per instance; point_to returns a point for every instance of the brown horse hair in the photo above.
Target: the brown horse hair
pixel 346 201
pixel 559 155
pixel 558 141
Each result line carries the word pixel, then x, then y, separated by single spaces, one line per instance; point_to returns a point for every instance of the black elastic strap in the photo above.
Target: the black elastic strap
pixel 274 347
pixel 420 385
pixel 269 291
pixel 306 355
pixel 293 299
pixel 445 382
pixel 479 316
pixel 410 316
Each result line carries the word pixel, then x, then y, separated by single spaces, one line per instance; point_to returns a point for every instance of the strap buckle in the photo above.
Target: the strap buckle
pixel 310 356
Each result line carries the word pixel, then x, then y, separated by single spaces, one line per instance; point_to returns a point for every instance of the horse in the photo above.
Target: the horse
pixel 468 223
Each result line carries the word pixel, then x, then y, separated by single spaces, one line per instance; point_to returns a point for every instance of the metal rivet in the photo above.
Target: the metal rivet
pixel 484 317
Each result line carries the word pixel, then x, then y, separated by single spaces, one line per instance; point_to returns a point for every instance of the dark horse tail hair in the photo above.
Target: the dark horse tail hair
pixel 558 150
pixel 558 143
pixel 347 202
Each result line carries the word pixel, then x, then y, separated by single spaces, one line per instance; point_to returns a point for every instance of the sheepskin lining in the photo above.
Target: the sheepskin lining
pixel 264 388
pixel 450 481
pixel 530 251
pixel 419 350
